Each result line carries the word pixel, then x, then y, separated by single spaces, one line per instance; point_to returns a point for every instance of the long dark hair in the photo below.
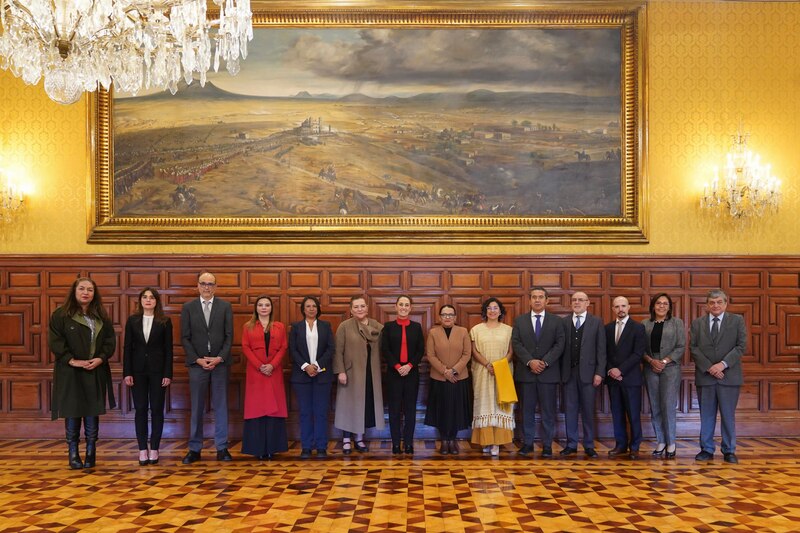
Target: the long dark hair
pixel 95 309
pixel 653 301
pixel 158 312
pixel 254 319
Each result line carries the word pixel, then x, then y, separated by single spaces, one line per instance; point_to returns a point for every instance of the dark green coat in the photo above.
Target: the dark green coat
pixel 78 392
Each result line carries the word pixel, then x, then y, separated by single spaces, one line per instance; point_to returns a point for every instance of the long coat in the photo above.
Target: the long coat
pixel 350 357
pixel 152 356
pixel 264 395
pixel 78 392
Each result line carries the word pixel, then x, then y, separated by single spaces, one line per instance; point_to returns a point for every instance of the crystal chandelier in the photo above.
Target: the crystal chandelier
pixel 78 45
pixel 746 189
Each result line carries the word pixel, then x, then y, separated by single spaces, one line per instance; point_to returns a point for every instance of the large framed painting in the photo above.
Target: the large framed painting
pixel 464 123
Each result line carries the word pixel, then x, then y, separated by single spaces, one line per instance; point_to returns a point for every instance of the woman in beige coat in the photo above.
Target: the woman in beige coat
pixel 357 364
pixel 449 400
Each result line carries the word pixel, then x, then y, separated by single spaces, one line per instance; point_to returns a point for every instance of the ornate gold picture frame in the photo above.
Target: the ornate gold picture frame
pixel 460 123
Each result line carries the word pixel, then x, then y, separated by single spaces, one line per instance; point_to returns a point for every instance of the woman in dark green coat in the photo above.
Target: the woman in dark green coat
pixel 82 340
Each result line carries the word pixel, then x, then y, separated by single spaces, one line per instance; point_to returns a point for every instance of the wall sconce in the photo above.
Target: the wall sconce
pixel 12 196
pixel 746 189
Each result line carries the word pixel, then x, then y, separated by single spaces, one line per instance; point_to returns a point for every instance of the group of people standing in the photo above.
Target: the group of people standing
pixel 475 375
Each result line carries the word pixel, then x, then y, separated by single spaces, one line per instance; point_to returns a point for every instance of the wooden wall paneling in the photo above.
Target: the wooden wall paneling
pixel 766 290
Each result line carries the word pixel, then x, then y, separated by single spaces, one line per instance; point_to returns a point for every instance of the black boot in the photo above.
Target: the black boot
pixel 90 425
pixel 73 429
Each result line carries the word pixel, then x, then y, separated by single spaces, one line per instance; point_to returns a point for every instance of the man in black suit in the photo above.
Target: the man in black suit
pixel 717 344
pixel 207 335
pixel 538 340
pixel 625 347
pixel 582 367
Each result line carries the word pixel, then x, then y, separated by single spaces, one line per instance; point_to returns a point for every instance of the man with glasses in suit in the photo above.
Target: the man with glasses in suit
pixel 207 335
pixel 718 340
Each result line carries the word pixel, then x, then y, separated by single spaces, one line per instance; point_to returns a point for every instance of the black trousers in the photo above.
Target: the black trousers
pixel 148 394
pixel 401 395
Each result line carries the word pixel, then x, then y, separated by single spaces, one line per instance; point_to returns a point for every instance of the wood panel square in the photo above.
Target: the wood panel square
pixel 546 279
pixel 665 280
pixel 24 395
pixel 345 279
pixel 750 396
pixel 385 279
pixel 144 279
pixel 708 280
pixel 781 280
pixel 426 279
pixel 305 279
pixel 738 280
pixel 784 396
pixel 581 281
pixel 626 280
pixel 62 279
pixel 107 281
pixel 505 280
pixel 11 334
pixel 263 279
pixel 465 280
pixel 17 280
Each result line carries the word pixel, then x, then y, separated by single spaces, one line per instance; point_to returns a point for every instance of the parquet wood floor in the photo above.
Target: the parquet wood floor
pixel 379 492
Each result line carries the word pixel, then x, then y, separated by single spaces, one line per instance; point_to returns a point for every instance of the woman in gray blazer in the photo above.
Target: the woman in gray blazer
pixel 666 342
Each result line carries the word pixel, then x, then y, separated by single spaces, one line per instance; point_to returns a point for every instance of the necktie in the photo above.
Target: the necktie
pixel 207 311
pixel 715 328
pixel 620 325
pixel 537 328
pixel 578 322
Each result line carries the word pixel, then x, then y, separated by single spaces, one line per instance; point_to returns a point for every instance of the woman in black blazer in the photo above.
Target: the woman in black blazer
pixel 147 367
pixel 312 378
pixel 402 346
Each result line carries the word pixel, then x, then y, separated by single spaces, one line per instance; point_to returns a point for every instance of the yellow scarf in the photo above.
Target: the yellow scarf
pixel 506 393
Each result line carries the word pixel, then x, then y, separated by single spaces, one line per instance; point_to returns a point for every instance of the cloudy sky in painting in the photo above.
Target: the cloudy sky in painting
pixel 405 62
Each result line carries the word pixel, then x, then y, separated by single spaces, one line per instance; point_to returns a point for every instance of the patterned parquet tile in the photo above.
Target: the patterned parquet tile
pixel 380 492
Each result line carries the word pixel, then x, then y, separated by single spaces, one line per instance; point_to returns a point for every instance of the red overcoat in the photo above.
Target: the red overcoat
pixel 264 395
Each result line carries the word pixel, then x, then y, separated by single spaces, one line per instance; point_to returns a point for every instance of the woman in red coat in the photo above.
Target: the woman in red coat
pixel 264 345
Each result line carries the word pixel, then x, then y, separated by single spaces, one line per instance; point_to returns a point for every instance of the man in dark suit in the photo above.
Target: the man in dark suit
pixel 718 342
pixel 207 335
pixel 582 367
pixel 538 340
pixel 625 347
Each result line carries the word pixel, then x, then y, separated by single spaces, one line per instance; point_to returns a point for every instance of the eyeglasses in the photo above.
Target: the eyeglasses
pixel 206 284
pixel 580 299
pixel 447 315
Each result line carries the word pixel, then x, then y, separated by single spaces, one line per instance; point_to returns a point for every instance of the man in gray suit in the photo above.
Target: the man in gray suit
pixel 207 335
pixel 718 342
pixel 582 368
pixel 538 342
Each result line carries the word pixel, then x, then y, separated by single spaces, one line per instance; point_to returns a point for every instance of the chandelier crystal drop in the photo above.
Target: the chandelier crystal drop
pixel 80 45
pixel 746 187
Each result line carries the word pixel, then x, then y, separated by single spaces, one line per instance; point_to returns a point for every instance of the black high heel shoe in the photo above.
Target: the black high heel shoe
pixel 671 455
pixel 347 447
pixel 360 446
pixel 658 452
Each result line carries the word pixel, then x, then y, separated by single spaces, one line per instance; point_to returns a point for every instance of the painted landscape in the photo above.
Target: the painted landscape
pixel 383 122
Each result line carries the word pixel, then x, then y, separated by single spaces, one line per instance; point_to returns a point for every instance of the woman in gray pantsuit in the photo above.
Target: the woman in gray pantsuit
pixel 666 342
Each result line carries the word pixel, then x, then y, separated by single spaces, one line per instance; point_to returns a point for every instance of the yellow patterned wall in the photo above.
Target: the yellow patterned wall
pixel 711 64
